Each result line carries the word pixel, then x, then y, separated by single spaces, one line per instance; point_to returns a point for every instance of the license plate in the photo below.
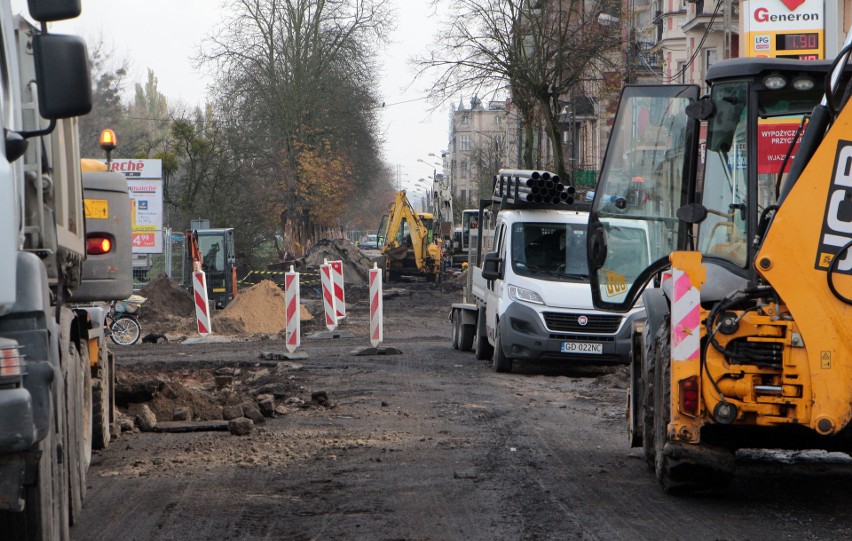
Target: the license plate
pixel 582 347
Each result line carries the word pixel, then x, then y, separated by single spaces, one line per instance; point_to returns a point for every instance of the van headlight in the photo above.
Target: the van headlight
pixel 525 295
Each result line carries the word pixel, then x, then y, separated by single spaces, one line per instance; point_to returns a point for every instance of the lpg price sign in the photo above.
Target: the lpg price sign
pixel 784 29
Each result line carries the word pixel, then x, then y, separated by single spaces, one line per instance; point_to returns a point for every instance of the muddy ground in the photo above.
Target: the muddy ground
pixel 428 444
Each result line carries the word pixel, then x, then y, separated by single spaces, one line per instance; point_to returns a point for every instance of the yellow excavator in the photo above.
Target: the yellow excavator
pixel 406 238
pixel 748 337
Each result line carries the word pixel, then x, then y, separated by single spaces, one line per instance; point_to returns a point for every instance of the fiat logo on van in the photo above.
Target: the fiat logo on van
pixel 582 320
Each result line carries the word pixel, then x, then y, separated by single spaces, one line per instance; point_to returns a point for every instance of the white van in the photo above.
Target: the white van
pixel 531 299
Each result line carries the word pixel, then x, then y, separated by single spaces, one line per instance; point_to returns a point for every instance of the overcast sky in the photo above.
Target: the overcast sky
pixel 164 35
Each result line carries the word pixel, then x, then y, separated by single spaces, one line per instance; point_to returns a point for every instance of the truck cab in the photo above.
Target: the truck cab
pixel 536 292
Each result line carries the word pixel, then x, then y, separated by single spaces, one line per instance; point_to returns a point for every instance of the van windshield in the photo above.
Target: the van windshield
pixel 550 251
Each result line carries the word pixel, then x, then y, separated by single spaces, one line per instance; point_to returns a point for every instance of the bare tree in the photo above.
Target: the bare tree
pixel 295 77
pixel 540 49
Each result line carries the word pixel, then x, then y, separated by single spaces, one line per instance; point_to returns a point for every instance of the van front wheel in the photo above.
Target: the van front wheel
pixel 499 361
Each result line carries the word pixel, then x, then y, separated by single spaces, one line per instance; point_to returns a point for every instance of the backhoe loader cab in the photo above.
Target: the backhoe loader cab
pixel 215 248
pixel 747 343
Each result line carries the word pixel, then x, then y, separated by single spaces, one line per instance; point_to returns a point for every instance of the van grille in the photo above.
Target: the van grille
pixel 595 323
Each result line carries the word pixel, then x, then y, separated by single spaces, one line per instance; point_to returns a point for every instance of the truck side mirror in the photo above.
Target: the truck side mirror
pixel 492 266
pixel 62 72
pixel 54 10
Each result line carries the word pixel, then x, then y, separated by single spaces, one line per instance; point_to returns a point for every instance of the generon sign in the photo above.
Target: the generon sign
pixel 769 15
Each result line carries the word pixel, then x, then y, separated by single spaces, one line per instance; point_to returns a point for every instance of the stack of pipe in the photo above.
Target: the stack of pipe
pixel 519 186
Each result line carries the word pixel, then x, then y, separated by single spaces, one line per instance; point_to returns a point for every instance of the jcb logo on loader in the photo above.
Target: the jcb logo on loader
pixel 837 223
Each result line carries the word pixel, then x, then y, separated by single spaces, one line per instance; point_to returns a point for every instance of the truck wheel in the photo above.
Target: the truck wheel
pixel 456 328
pixel 676 476
pixel 78 389
pixel 466 337
pixel 499 361
pixel 483 348
pixel 101 402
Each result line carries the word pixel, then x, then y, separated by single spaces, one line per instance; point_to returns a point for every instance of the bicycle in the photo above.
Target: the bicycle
pixel 122 322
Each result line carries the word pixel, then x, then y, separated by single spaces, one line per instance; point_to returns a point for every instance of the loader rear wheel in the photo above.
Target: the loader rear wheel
pixel 649 354
pixel 677 477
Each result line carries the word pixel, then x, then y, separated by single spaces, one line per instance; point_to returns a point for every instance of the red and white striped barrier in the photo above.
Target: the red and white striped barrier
pixel 328 299
pixel 202 309
pixel 291 303
pixel 376 327
pixel 339 291
pixel 686 318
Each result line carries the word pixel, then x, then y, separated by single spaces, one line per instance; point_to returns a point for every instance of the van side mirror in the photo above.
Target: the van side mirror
pixel 62 73
pixel 492 266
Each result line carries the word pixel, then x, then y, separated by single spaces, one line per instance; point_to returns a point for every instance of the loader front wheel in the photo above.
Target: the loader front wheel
pixel 676 476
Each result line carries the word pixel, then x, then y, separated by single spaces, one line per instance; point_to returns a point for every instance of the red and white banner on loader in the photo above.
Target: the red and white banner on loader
pixel 202 309
pixel 376 327
pixel 328 299
pixel 291 303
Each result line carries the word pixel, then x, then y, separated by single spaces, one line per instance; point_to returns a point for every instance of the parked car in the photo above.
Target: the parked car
pixel 369 242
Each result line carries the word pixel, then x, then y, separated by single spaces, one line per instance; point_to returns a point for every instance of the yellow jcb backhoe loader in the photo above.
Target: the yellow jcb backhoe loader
pixel 407 242
pixel 748 340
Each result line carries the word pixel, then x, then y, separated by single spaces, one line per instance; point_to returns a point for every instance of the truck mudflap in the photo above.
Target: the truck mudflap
pixel 17 430
pixel 524 336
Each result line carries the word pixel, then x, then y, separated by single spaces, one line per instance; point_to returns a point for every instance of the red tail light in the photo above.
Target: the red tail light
pixel 689 395
pixel 98 245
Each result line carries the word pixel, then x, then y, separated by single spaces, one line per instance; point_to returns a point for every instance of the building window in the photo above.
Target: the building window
pixel 498 119
pixel 465 119
pixel 464 196
pixel 710 58
pixel 464 142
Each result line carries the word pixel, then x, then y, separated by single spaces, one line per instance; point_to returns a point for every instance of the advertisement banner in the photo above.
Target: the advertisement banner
pixel 144 180
pixel 773 142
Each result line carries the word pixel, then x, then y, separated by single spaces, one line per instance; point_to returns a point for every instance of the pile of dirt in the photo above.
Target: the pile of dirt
pixel 169 310
pixel 356 265
pixel 165 298
pixel 259 309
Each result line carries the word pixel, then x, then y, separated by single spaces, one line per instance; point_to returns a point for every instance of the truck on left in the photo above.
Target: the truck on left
pixel 50 351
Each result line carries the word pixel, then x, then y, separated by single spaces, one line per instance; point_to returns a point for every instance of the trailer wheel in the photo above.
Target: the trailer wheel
pixel 499 361
pixel 466 335
pixel 676 476
pixel 483 348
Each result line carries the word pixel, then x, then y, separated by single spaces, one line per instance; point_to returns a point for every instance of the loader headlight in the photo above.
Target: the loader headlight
pixel 524 295
pixel 774 81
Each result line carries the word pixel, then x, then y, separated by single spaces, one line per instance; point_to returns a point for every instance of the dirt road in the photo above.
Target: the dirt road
pixel 429 444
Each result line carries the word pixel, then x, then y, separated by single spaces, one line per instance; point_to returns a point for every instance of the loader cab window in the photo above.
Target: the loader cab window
pixel 729 161
pixel 213 259
pixel 723 234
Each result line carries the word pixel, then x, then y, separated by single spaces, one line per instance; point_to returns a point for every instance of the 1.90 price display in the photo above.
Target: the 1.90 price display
pixel 796 42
